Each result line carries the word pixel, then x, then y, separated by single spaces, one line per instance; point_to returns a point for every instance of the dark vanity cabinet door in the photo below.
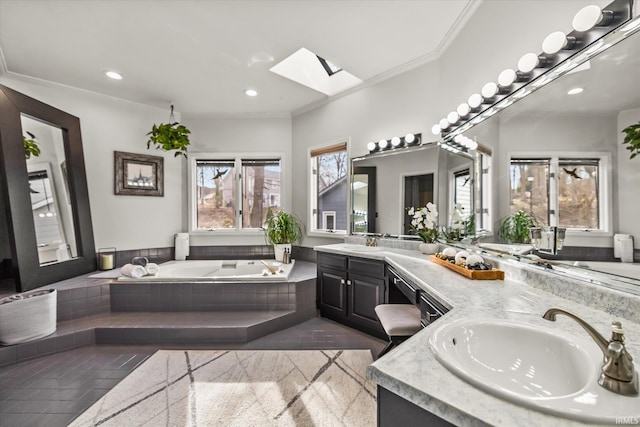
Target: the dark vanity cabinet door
pixel 366 287
pixel 349 289
pixel 332 297
pixel 331 286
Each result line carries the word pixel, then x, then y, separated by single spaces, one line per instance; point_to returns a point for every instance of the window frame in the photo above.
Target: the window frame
pixel 605 190
pixel 237 158
pixel 312 186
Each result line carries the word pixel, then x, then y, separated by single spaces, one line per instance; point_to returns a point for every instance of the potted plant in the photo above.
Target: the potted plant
pixel 281 230
pixel 30 146
pixel 515 228
pixel 424 224
pixel 170 136
pixel 632 139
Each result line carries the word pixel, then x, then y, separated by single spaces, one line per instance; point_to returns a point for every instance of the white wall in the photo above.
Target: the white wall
pixel 495 38
pixel 628 181
pixel 393 107
pixel 109 124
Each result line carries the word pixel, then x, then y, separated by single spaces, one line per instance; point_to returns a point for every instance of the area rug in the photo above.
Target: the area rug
pixel 241 388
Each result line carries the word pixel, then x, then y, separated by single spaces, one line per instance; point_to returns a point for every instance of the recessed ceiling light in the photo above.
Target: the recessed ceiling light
pixel 251 92
pixel 113 75
pixel 575 91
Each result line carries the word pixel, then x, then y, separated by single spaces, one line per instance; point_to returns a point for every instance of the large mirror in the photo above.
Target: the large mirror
pixel 46 225
pixel 386 184
pixel 558 155
pixel 49 191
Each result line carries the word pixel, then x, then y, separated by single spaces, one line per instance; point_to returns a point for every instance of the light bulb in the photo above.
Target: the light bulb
pixel 435 129
pixel 383 144
pixel 489 90
pixel 409 138
pixel 453 117
pixel 554 42
pixel 251 92
pixel 528 62
pixel 507 77
pixel 371 146
pixel 463 109
pixel 587 18
pixel 575 91
pixel 444 124
pixel 395 141
pixel 475 100
pixel 472 145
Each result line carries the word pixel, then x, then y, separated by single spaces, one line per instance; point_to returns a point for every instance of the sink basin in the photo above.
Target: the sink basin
pixel 361 248
pixel 534 366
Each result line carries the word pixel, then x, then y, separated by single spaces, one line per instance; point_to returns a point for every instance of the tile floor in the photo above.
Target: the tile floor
pixel 53 390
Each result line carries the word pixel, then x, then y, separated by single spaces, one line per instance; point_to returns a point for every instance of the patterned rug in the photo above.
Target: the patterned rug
pixel 241 388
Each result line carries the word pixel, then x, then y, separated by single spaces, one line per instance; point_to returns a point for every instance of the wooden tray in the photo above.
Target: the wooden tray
pixel 493 274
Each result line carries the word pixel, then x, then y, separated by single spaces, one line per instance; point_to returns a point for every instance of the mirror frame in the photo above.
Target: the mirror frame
pixel 25 267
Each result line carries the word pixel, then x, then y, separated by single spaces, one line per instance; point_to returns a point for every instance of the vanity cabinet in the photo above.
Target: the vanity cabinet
pixel 349 288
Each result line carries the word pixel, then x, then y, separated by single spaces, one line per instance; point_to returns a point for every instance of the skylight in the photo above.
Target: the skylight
pixel 329 67
pixel 308 69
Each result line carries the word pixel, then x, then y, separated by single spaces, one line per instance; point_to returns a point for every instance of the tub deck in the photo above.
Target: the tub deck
pixel 86 317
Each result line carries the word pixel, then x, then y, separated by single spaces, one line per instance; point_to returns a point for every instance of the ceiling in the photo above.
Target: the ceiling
pixel 201 55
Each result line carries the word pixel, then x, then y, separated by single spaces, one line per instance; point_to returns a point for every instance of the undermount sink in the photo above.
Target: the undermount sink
pixel 361 248
pixel 538 367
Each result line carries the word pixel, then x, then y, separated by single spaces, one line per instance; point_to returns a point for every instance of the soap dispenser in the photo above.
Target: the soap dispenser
pixel 623 247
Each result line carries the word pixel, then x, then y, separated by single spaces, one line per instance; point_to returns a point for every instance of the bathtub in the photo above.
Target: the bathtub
pixel 217 271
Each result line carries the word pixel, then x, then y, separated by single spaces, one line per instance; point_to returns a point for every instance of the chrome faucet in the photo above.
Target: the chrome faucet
pixel 617 373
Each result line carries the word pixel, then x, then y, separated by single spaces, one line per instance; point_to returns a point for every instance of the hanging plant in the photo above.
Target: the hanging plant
pixel 632 139
pixel 170 136
pixel 30 146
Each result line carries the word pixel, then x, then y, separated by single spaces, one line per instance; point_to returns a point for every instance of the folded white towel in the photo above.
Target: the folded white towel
pixel 135 271
pixel 152 268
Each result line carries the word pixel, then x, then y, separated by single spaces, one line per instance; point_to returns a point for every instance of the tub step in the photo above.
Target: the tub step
pixel 156 328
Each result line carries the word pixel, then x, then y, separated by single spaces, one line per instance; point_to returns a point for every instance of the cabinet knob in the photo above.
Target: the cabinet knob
pixel 342 281
pixel 349 282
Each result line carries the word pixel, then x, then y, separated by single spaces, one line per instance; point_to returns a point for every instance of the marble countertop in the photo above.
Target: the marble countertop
pixel 411 369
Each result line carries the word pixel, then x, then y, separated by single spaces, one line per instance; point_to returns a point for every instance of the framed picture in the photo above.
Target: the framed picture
pixel 138 174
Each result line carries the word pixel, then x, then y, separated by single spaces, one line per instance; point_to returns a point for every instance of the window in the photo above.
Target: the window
pixel 483 214
pixel 233 194
pixel 564 191
pixel 462 190
pixel 329 188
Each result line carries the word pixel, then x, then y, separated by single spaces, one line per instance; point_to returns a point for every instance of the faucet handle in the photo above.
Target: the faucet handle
pixel 617 333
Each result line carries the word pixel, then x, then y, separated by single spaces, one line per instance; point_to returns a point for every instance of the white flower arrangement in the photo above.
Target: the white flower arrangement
pixel 425 222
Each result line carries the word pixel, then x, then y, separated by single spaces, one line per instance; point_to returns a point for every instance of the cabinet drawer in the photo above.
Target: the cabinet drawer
pixel 333 261
pixel 407 288
pixel 366 266
pixel 430 309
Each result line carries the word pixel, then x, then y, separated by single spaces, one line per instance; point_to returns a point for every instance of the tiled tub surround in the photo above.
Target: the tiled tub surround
pixel 412 372
pixel 193 314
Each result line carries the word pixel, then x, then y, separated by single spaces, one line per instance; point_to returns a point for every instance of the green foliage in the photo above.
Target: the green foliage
pixel 170 137
pixel 281 228
pixel 30 146
pixel 515 228
pixel 632 139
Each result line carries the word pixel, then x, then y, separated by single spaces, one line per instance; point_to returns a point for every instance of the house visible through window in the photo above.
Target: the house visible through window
pixel 329 188
pixel 560 191
pixel 236 193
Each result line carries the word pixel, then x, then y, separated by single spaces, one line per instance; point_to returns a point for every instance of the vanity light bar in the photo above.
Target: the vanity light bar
pixel 410 139
pixel 589 24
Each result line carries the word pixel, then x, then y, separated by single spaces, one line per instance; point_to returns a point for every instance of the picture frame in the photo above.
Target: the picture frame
pixel 138 174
